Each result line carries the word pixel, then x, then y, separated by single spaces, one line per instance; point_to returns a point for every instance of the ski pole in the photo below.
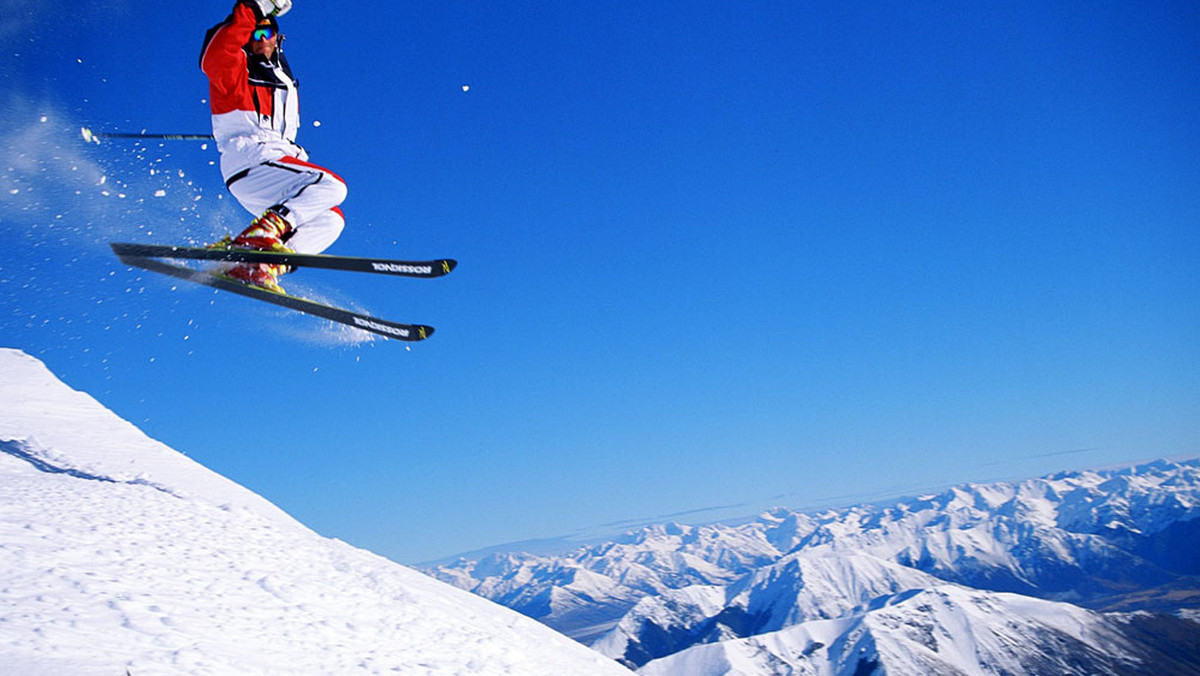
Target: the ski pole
pixel 95 136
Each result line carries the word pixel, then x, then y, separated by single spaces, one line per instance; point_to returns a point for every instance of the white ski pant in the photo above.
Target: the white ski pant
pixel 309 196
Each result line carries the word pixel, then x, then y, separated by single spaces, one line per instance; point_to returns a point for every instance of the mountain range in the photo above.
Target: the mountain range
pixel 1076 573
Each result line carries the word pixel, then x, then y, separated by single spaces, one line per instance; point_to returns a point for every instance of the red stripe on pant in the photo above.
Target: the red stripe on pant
pixel 286 159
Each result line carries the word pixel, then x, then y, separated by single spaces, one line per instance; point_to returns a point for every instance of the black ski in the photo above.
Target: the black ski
pixel 383 327
pixel 423 269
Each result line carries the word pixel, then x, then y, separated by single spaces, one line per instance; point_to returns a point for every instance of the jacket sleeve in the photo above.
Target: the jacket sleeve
pixel 224 61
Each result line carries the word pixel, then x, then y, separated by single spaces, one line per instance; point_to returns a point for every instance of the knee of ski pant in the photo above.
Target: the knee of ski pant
pixel 316 234
pixel 337 188
pixel 336 220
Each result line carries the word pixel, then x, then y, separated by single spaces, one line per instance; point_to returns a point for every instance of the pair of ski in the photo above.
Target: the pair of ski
pixel 146 257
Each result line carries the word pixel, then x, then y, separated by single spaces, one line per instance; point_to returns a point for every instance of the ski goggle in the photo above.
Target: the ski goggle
pixel 262 33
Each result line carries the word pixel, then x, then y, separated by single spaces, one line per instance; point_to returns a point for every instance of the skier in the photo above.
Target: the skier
pixel 255 117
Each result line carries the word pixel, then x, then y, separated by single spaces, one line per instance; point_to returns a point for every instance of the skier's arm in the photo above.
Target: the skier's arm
pixel 224 61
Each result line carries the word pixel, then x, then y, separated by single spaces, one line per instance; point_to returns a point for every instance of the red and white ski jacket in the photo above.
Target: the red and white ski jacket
pixel 255 106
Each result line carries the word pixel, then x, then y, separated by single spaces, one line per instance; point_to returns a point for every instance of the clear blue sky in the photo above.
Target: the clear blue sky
pixel 712 253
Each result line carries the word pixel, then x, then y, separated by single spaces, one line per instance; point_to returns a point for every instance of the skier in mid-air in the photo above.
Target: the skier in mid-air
pixel 255 116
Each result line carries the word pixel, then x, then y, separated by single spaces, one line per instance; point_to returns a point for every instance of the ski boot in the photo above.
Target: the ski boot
pixel 262 275
pixel 266 233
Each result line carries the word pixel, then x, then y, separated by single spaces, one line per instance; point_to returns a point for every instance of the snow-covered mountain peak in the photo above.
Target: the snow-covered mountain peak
pixel 940 630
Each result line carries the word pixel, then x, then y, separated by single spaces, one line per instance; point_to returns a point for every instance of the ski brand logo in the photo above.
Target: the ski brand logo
pixel 397 267
pixel 376 326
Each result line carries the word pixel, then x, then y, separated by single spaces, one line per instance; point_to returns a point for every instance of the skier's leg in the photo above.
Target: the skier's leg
pixel 298 202
pixel 303 189
pixel 318 232
pixel 310 204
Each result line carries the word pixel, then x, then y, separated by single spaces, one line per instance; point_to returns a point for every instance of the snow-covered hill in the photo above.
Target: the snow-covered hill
pixel 1013 558
pixel 119 554
pixel 948 630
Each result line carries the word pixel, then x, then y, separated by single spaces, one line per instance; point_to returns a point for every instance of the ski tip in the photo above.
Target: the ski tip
pixel 448 265
pixel 144 250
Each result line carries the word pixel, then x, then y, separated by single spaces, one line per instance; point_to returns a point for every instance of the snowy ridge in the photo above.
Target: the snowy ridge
pixel 585 594
pixel 1126 539
pixel 118 554
pixel 61 430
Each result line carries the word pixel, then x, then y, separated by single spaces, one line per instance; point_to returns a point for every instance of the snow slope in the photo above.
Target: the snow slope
pixel 118 553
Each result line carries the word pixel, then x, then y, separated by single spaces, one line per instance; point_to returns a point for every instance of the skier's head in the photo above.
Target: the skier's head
pixel 265 38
